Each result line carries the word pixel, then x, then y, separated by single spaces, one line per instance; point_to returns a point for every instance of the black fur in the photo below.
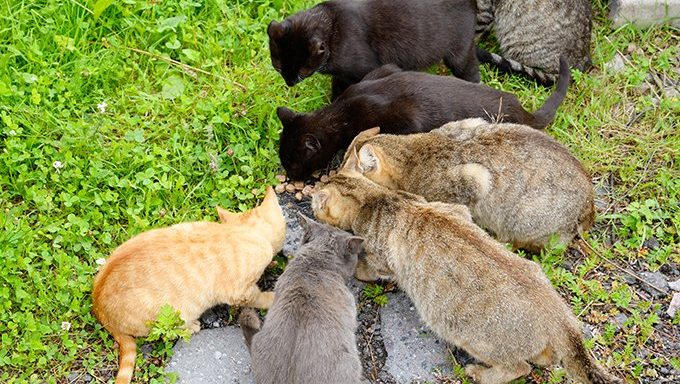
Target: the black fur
pixel 348 39
pixel 399 103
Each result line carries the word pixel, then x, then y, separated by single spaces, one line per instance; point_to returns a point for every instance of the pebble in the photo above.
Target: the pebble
pixel 674 305
pixel 307 190
pixel 323 179
pixel 316 174
pixel 629 279
pixel 281 178
pixel 675 285
pixel 651 243
pixel 617 64
pixel 619 320
pixel 298 196
pixel 280 188
pixel 299 185
pixel 332 173
pixel 290 188
pixel 658 280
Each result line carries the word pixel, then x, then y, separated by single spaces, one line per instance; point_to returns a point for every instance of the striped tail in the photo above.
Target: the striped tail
pixel 127 351
pixel 511 66
pixel 580 365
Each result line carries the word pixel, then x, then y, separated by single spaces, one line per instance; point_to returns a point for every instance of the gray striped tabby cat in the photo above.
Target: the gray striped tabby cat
pixel 533 34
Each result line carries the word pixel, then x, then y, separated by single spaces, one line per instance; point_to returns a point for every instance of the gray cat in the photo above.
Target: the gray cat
pixel 533 34
pixel 309 332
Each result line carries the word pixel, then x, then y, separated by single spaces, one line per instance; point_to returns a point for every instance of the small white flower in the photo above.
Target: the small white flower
pixel 100 261
pixel 102 106
pixel 57 165
pixel 12 133
pixel 65 325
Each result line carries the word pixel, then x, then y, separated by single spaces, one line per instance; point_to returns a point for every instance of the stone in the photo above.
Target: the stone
pixel 414 353
pixel 675 285
pixel 658 280
pixel 674 305
pixel 651 243
pixel 644 13
pixel 212 356
pixel 615 65
pixel 294 231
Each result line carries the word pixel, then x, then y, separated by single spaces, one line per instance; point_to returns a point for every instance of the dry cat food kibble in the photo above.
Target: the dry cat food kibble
pixel 299 188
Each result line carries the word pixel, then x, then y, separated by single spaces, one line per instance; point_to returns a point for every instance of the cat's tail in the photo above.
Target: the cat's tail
pixel 250 324
pixel 127 354
pixel 506 65
pixel 546 113
pixel 580 365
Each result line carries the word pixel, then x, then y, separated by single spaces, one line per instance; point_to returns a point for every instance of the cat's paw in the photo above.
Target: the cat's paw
pixel 194 326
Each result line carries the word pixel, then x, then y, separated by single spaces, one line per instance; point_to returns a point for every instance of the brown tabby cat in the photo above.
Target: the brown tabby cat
pixel 519 183
pixel 467 287
pixel 534 34
pixel 190 266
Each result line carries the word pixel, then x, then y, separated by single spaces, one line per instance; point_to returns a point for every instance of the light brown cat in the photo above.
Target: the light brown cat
pixel 190 266
pixel 467 287
pixel 519 183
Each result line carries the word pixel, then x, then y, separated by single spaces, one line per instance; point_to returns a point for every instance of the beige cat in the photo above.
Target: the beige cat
pixel 190 266
pixel 467 287
pixel 519 183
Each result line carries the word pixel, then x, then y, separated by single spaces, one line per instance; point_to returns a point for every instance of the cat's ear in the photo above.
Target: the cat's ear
pixel 311 143
pixel 368 160
pixel 285 115
pixel 308 225
pixel 355 245
pixel 319 200
pixel 270 196
pixel 277 30
pixel 317 47
pixel 225 216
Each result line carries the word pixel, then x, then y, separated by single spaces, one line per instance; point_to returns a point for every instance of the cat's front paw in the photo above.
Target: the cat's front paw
pixel 365 273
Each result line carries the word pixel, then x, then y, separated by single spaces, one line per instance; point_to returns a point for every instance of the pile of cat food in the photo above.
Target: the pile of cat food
pixel 302 189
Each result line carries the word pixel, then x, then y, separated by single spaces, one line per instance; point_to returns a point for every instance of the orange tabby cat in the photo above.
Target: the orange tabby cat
pixel 192 267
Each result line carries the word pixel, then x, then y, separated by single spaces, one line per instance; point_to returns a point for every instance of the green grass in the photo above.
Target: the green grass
pixel 177 137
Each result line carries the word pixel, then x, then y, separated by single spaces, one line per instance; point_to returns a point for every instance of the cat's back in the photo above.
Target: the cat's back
pixel 563 28
pixel 311 323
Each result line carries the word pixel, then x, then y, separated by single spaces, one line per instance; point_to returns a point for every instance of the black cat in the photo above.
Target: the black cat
pixel 347 39
pixel 399 102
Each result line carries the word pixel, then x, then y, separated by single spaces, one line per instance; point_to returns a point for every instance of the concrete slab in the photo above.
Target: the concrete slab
pixel 414 353
pixel 644 13
pixel 212 356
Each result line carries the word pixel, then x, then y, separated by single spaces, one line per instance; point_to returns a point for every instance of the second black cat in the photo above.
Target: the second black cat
pixel 399 103
pixel 347 39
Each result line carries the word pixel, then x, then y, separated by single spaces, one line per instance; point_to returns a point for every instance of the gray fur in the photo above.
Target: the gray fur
pixel 309 333
pixel 533 34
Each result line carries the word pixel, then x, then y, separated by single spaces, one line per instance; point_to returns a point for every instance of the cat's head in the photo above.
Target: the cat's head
pixel 267 216
pixel 370 155
pixel 344 245
pixel 304 146
pixel 298 48
pixel 339 201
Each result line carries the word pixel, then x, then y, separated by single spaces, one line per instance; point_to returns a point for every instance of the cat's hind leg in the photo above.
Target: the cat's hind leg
pixel 464 63
pixel 497 374
pixel 259 299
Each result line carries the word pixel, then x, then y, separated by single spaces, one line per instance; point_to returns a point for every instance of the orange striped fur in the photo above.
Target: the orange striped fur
pixel 191 266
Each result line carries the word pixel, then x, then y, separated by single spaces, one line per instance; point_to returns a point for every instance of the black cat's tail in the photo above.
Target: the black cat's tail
pixel 511 66
pixel 546 113
pixel 250 324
